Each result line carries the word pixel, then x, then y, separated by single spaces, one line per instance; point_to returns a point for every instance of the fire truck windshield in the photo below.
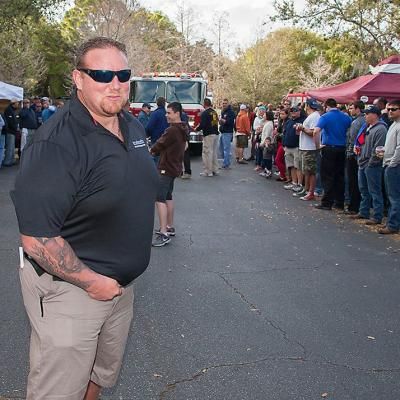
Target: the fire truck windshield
pixel 147 91
pixel 187 92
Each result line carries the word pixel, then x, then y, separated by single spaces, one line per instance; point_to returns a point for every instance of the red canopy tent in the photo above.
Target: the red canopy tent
pixel 383 82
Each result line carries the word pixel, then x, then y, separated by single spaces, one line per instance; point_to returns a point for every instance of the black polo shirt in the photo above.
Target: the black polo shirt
pixel 79 181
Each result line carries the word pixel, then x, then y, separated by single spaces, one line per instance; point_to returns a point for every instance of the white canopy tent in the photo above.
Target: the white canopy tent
pixel 8 92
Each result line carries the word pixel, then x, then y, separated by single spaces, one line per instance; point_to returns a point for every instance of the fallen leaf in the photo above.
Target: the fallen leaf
pixel 371 338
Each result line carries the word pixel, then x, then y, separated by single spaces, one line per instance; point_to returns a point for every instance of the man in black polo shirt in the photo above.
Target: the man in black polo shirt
pixel 209 126
pixel 84 199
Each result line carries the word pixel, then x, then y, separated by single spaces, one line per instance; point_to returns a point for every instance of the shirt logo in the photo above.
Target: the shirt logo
pixel 138 143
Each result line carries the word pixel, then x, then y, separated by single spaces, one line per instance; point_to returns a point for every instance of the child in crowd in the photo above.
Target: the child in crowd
pixel 268 151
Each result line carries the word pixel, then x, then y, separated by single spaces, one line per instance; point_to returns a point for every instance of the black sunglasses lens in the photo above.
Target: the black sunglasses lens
pixel 106 76
pixel 123 75
pixel 102 76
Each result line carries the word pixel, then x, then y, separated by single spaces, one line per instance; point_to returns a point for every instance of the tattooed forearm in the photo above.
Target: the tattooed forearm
pixel 57 257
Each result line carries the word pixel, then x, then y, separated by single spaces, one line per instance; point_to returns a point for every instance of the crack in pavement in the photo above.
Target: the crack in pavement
pixel 170 387
pixel 254 308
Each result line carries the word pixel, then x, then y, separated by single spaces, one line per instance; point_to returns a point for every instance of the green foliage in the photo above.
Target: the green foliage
pixel 371 26
pixel 268 69
pixel 34 56
pixel 57 54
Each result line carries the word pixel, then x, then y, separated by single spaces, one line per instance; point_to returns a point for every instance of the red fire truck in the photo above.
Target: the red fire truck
pixel 188 89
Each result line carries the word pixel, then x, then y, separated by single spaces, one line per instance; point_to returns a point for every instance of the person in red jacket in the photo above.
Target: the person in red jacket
pixel 170 147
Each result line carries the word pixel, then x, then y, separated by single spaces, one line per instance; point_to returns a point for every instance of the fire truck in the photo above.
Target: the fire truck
pixel 188 89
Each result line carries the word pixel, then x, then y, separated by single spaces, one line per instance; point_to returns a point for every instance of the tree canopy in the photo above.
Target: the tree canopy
pixel 329 41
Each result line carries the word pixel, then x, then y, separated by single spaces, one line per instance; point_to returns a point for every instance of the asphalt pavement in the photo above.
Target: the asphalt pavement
pixel 259 296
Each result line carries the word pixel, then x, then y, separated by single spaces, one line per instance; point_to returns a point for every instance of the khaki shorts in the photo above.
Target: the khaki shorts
pixel 308 161
pixel 242 141
pixel 292 157
pixel 74 338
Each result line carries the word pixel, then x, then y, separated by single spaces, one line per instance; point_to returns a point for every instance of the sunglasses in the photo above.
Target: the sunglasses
pixel 106 76
pixel 393 109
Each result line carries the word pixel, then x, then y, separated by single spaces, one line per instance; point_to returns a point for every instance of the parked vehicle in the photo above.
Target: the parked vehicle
pixel 188 89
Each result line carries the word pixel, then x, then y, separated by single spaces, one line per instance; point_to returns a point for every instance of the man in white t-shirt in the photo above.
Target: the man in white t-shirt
pixel 308 149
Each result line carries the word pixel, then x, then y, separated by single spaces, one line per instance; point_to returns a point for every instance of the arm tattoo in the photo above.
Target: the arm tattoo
pixel 57 257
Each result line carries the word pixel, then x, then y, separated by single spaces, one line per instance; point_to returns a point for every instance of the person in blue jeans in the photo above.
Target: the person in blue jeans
pixel 391 163
pixel 371 135
pixel 226 127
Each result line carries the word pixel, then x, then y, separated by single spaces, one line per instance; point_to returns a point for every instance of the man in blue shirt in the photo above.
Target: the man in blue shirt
pixel 157 122
pixel 144 115
pixel 331 133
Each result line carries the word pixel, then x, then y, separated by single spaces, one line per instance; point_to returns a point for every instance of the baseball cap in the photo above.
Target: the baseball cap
pixel 262 108
pixel 372 110
pixel 243 107
pixel 147 105
pixel 294 109
pixel 45 99
pixel 312 103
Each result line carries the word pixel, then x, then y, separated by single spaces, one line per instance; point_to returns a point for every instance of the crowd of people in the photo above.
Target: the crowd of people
pixel 345 156
pixel 19 122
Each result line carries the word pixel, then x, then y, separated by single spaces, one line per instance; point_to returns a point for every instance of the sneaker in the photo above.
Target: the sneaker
pixel 289 186
pixel 215 173
pixel 170 231
pixel 242 161
pixel 264 174
pixel 160 240
pixel 186 176
pixel 206 174
pixel 269 173
pixel 308 197
pixel 301 193
pixel 226 167
pixel 297 188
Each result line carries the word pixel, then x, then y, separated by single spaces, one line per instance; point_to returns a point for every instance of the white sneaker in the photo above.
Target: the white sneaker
pixel 289 186
pixel 206 174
